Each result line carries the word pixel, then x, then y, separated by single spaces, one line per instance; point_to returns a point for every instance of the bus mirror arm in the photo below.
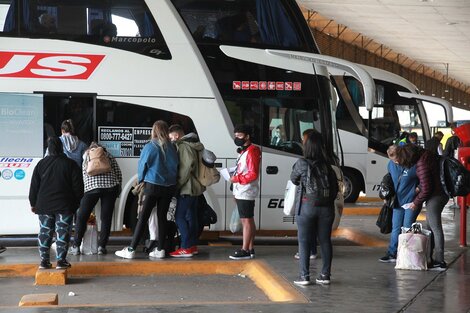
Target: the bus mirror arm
pixel 355 70
pixel 443 103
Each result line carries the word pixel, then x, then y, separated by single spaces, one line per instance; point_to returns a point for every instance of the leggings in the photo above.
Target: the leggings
pixel 434 207
pixel 60 223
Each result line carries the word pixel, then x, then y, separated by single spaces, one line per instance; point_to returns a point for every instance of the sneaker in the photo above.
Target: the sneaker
pixel 241 255
pixel 323 279
pixel 303 281
pixel 102 251
pixel 194 250
pixel 126 253
pixel 62 264
pixel 2 249
pixel 438 266
pixel 45 264
pixel 252 254
pixel 388 259
pixel 158 254
pixel 74 250
pixel 312 256
pixel 182 253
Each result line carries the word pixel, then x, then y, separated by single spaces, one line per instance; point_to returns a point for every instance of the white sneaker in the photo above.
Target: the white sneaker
pixel 126 253
pixel 158 254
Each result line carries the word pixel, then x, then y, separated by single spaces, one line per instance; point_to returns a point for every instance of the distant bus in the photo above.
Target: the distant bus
pixel 365 135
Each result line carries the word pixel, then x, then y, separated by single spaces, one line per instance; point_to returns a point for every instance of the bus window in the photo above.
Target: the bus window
pixel 242 22
pixel 121 24
pixel 134 122
pixel 281 124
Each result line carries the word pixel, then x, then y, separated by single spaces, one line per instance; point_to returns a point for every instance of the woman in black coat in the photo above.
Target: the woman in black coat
pixel 314 205
pixel 54 195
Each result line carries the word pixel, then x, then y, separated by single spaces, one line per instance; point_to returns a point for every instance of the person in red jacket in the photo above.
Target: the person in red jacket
pixel 246 188
pixel 431 192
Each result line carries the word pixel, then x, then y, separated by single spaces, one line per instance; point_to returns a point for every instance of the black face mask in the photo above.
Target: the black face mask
pixel 239 141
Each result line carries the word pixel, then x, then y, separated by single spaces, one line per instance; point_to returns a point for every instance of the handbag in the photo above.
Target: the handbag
pixel 412 249
pixel 289 198
pixel 235 223
pixel 384 220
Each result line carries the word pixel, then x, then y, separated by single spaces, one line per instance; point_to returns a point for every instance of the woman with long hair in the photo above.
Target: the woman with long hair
pixel 431 192
pixel 158 169
pixel 318 187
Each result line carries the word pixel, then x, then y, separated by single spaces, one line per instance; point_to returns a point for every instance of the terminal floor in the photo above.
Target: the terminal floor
pixel 359 282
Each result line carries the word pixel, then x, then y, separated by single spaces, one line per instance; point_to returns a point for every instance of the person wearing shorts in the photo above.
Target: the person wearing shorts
pixel 246 188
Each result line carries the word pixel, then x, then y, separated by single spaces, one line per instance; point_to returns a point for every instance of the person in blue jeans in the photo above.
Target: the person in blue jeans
pixel 405 182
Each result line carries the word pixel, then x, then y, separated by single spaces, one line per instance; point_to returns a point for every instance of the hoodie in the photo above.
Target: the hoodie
pixel 189 148
pixel 74 148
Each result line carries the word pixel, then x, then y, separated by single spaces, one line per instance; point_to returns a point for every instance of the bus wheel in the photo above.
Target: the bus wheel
pixel 351 187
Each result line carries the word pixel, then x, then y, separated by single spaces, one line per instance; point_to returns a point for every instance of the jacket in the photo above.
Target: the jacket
pixel 427 170
pixel 56 186
pixel 404 182
pixel 246 177
pixel 188 148
pixel 102 181
pixel 298 177
pixel 158 165
pixel 74 148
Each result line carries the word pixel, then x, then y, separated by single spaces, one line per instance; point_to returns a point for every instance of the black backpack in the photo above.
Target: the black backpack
pixel 455 178
pixel 322 183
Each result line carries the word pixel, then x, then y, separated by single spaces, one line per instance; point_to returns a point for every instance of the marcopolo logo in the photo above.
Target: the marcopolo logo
pixel 48 65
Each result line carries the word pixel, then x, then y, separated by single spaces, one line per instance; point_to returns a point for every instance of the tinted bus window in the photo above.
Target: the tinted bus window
pixel 121 24
pixel 246 23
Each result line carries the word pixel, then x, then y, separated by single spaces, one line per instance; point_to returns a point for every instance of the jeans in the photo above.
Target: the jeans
pixel 108 198
pixel 160 196
pixel 186 220
pixel 313 220
pixel 434 207
pixel 400 218
pixel 61 224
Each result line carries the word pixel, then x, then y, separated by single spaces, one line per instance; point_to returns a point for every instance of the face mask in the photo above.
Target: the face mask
pixel 239 141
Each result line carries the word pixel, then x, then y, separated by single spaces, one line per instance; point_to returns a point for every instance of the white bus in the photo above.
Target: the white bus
pixel 114 67
pixel 365 135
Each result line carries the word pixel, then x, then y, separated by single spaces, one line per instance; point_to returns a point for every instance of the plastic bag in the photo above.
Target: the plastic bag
pixel 384 220
pixel 235 223
pixel 289 198
pixel 413 249
pixel 90 240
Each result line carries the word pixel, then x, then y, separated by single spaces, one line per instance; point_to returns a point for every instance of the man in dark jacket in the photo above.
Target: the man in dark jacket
pixel 54 195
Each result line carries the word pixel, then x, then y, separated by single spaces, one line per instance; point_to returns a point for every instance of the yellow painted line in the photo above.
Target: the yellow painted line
pixel 276 288
pixel 361 211
pixel 359 237
pixel 368 199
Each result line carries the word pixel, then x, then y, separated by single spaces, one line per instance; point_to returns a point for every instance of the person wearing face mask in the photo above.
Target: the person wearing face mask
pixel 246 188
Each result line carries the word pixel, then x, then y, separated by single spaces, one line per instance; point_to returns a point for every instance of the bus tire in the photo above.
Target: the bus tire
pixel 352 186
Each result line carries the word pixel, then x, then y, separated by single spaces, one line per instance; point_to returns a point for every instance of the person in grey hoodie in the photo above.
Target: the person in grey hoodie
pixel 74 148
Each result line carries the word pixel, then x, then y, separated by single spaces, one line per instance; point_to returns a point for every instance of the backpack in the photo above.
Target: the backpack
pixel 455 178
pixel 322 184
pixel 98 162
pixel 207 173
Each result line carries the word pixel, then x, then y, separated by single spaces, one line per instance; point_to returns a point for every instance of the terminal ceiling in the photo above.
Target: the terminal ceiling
pixel 435 33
